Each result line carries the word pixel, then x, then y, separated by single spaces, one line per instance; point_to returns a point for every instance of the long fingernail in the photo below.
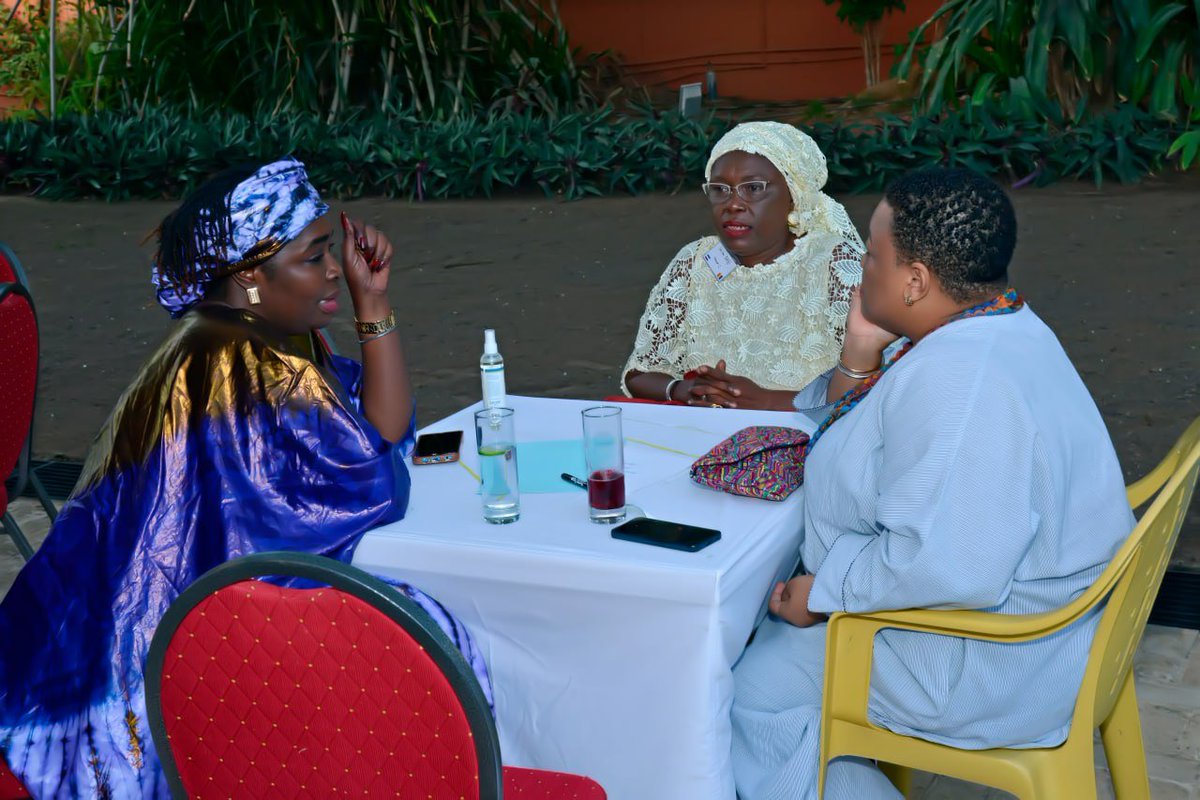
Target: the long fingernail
pixel 345 222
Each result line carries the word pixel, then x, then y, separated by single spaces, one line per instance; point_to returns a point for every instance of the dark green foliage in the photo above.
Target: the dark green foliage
pixel 1091 53
pixel 116 156
pixel 442 58
pixel 859 13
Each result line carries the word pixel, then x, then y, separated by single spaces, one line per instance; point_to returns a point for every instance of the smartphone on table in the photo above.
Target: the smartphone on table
pixel 437 448
pixel 661 533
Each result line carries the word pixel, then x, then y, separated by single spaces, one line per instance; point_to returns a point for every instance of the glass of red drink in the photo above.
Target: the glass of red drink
pixel 604 452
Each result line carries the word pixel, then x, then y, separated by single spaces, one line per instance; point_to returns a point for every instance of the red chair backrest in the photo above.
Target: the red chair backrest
pixel 278 692
pixel 11 787
pixel 18 375
pixel 8 267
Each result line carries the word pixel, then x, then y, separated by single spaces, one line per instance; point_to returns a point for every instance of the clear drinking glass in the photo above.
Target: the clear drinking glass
pixel 604 452
pixel 496 445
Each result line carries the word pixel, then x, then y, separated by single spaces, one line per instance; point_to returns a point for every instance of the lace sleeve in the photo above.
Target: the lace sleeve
pixel 845 272
pixel 659 346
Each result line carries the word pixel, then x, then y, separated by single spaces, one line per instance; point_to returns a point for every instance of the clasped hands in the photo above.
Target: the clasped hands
pixel 716 387
pixel 789 601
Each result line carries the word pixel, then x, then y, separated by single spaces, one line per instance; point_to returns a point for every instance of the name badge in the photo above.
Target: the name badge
pixel 720 261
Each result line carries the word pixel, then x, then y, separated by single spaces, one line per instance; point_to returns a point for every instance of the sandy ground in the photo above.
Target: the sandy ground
pixel 1113 271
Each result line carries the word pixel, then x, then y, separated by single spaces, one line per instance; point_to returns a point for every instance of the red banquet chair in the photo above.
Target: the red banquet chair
pixel 18 376
pixel 347 689
pixel 11 787
pixel 19 363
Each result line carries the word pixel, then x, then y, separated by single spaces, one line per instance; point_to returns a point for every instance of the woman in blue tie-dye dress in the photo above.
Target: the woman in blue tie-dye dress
pixel 243 433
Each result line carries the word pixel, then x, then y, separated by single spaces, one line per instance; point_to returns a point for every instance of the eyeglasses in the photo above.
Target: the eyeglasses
pixel 750 191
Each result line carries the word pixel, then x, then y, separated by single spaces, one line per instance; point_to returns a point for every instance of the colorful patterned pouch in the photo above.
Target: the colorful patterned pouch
pixel 763 461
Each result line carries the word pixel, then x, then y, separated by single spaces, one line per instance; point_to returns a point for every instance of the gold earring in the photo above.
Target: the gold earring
pixel 908 301
pixel 252 296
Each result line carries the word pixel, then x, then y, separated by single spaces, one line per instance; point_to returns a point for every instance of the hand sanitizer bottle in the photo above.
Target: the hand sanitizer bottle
pixel 491 371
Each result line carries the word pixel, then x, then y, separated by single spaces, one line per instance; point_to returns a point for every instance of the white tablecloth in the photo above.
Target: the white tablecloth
pixel 608 658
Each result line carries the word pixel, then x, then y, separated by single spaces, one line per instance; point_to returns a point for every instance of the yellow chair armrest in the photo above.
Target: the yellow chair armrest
pixel 850 642
pixel 1143 489
pixel 989 626
pixel 982 625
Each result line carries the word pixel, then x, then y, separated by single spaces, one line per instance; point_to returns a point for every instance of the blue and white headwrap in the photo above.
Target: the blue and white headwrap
pixel 266 211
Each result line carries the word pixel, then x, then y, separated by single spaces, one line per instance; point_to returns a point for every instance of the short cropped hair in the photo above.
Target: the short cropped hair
pixel 958 223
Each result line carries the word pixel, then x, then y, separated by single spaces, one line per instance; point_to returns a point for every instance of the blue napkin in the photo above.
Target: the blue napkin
pixel 540 465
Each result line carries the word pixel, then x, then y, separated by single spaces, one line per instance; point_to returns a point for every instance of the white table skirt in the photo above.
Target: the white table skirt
pixel 608 658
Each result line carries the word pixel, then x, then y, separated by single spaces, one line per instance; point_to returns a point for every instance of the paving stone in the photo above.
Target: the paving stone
pixel 1181 696
pixel 1163 654
pixel 1170 777
pixel 1165 790
pixel 1164 729
pixel 1174 769
pixel 35 524
pixel 1191 674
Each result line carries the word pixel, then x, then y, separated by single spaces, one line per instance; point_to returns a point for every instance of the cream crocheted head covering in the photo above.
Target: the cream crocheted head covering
pixel 802 163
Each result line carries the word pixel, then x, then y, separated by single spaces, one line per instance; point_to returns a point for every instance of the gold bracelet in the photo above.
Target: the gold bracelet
pixel 376 336
pixel 379 326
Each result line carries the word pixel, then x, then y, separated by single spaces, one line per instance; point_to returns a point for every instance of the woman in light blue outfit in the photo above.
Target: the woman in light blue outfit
pixel 972 470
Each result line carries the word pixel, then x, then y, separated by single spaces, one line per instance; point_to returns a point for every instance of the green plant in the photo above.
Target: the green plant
pixel 19 55
pixel 1187 146
pixel 81 43
pixel 864 16
pixel 165 152
pixel 1080 54
pixel 441 58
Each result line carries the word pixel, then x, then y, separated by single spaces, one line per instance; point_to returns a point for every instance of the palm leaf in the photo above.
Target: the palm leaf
pixel 1148 35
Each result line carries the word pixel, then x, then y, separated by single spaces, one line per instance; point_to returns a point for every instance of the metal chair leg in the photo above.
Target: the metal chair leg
pixel 43 496
pixel 18 537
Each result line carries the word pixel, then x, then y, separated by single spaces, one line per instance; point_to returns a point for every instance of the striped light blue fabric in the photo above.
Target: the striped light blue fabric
pixel 978 473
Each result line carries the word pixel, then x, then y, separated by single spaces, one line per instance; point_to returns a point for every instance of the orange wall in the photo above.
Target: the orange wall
pixel 761 49
pixel 66 10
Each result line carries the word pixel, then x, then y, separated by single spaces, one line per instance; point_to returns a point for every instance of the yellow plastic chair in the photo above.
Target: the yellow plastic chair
pixel 1106 696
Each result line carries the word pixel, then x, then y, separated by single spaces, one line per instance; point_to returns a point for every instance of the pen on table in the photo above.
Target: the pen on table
pixel 569 478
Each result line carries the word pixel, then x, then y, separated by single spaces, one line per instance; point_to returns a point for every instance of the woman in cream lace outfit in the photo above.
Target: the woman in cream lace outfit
pixel 749 317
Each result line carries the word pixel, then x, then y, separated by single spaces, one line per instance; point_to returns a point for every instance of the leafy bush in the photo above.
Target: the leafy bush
pixel 442 58
pixel 20 60
pixel 79 58
pixel 865 17
pixel 163 153
pixel 1188 144
pixel 1082 55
